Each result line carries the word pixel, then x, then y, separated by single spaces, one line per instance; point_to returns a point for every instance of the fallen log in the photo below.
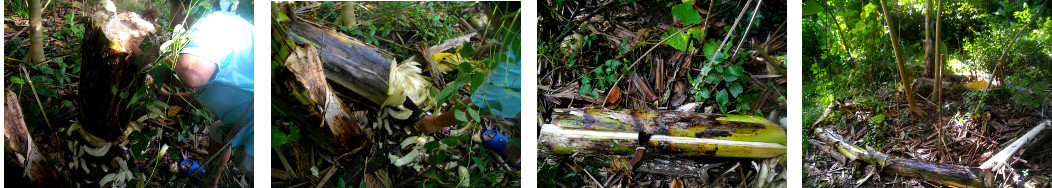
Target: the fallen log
pixel 673 123
pixel 560 140
pixel 946 174
pixel 22 150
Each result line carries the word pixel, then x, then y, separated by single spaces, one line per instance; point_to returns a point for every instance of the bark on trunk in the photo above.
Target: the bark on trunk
pixel 36 34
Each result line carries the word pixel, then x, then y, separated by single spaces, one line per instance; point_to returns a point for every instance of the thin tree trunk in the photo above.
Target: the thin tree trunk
pixel 898 60
pixel 929 42
pixel 350 18
pixel 36 34
pixel 938 71
pixel 843 40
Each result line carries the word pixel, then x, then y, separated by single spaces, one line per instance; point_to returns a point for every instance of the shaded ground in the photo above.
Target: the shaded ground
pixel 451 157
pixel 624 31
pixel 976 126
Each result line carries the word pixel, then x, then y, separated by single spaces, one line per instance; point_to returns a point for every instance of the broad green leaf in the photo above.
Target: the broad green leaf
pixel 722 98
pixel 709 49
pixel 735 89
pixel 474 114
pixel 878 119
pixel 736 70
pixel 277 138
pixel 17 80
pixel 437 158
pixel 811 7
pixel 678 41
pixel 730 77
pixel 432 145
pixel 342 183
pixel 460 116
pixel 686 13
pixel 703 93
pixel 712 78
pixel 696 33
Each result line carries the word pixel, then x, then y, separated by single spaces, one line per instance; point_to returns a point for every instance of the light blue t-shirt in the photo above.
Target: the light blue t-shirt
pixel 501 91
pixel 226 40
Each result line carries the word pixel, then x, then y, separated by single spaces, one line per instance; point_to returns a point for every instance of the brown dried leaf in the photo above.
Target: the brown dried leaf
pixel 614 96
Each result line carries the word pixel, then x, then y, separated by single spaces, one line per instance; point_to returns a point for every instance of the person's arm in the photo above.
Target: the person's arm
pixel 194 71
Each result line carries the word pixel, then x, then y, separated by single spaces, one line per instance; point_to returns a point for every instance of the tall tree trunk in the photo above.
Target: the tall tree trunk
pixel 36 34
pixel 929 42
pixel 898 60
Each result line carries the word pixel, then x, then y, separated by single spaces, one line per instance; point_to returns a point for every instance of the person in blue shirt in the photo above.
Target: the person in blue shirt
pixel 217 63
pixel 500 92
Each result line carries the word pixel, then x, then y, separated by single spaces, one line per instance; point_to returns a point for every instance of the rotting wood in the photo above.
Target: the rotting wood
pixel 559 140
pixel 673 123
pixel 111 59
pixel 22 150
pixel 946 174
pixel 306 66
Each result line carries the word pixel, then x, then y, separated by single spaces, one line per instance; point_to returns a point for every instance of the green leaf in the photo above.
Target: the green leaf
pixel 730 77
pixel 437 158
pixel 712 78
pixel 722 98
pixel 811 7
pixel 460 116
pixel 466 50
pixel 736 70
pixel 474 114
pixel 277 138
pixel 678 41
pixel 735 89
pixel 696 33
pixel 686 13
pixel 342 183
pixel 702 93
pixel 709 49
pixel 17 80
pixel 294 133
pixel 432 145
pixel 450 141
pixel 878 119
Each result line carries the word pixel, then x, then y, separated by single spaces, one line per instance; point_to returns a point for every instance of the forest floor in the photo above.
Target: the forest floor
pixel 448 158
pixel 975 125
pixel 183 131
pixel 611 35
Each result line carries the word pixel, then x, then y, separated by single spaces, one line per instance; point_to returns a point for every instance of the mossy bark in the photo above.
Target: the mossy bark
pixel 673 123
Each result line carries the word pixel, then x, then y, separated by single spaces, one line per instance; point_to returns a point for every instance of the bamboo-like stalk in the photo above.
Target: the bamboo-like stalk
pixel 673 123
pixel 899 60
pixel 559 140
